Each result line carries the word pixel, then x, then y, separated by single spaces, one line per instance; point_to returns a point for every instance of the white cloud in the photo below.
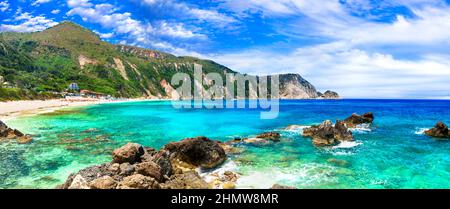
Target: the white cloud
pixel 352 72
pixel 104 35
pixel 29 23
pixel 138 32
pixel 55 11
pixel 186 10
pixel 79 3
pixel 4 5
pixel 38 2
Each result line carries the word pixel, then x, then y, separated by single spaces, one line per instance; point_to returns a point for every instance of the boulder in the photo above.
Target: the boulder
pixel 326 134
pixel 87 175
pixel 187 180
pixel 162 158
pixel 104 182
pixel 272 136
pixel 78 182
pixel 150 169
pixel 200 151
pixel 129 153
pixel 126 169
pixel 341 132
pixel 138 181
pixel 356 119
pixel 440 130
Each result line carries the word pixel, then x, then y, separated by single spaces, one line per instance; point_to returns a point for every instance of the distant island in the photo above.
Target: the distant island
pixel 43 65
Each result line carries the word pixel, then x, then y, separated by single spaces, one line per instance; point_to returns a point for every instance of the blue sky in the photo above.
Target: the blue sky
pixel 360 48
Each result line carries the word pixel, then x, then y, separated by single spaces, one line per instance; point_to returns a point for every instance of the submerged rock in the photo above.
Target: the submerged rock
pixel 355 119
pixel 200 151
pixel 272 136
pixel 440 130
pixel 326 134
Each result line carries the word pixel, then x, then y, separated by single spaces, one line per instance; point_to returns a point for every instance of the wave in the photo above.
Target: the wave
pixel 420 131
pixel 361 128
pixel 301 175
pixel 346 145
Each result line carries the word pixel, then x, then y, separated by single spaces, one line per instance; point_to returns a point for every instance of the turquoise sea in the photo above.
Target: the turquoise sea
pixel 393 153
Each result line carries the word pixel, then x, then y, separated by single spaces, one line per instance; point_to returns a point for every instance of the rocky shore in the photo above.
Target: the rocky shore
pixel 7 133
pixel 175 166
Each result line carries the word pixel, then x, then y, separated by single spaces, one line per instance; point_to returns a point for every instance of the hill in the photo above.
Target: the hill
pixel 42 64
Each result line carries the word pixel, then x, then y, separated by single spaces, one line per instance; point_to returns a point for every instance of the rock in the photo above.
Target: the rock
pixel 126 169
pixel 278 186
pixel 199 151
pixel 338 162
pixel 115 168
pixel 230 176
pixel 187 180
pixel 138 181
pixel 129 153
pixel 89 174
pixel 9 133
pixel 78 182
pixel 229 185
pixel 328 95
pixel 273 136
pixel 105 182
pixel 440 130
pixel 150 169
pixel 162 158
pixel 356 119
pixel 327 135
pixel 341 132
pixel 24 139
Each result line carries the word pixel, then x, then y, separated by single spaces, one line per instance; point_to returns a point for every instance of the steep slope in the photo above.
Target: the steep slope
pixel 43 62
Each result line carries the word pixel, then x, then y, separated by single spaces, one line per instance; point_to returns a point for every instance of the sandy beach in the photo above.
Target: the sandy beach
pixel 12 109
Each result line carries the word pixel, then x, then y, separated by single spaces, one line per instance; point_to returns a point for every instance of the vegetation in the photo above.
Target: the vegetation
pixel 38 65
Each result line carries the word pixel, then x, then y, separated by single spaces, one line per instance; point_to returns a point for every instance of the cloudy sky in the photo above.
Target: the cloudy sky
pixel 360 48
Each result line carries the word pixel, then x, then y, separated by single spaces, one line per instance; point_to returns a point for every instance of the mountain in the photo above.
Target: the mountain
pixel 41 64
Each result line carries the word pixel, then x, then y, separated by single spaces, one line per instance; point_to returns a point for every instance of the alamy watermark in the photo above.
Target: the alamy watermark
pixel 234 91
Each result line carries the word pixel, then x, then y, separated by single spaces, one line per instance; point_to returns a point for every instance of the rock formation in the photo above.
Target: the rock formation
pixel 355 119
pixel 328 95
pixel 199 151
pixel 7 133
pixel 326 134
pixel 134 166
pixel 440 130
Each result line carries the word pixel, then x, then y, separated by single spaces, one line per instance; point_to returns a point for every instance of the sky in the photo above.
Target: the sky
pixel 359 48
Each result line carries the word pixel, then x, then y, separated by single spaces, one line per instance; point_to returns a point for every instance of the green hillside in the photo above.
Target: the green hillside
pixel 41 64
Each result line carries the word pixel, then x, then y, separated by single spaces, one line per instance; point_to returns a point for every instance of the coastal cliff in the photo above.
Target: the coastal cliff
pixel 42 64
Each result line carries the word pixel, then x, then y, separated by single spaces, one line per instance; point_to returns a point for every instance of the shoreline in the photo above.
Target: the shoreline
pixel 12 109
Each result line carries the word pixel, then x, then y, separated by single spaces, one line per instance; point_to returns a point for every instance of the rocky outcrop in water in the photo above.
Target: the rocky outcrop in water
pixel 440 130
pixel 272 136
pixel 328 95
pixel 355 119
pixel 7 133
pixel 200 152
pixel 327 134
pixel 134 166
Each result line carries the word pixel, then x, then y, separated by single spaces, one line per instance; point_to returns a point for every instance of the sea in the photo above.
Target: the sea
pixel 392 153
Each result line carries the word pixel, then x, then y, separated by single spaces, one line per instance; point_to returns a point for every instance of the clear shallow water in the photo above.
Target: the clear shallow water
pixel 392 154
